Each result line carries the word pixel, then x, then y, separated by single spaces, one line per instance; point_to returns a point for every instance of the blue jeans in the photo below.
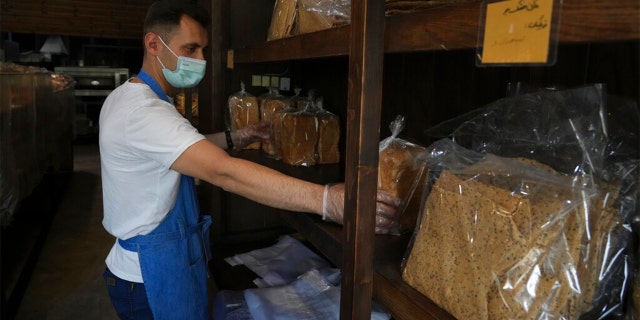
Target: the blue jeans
pixel 128 298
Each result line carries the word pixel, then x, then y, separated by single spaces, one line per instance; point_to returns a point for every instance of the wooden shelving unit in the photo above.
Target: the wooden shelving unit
pixel 374 271
pixel 451 28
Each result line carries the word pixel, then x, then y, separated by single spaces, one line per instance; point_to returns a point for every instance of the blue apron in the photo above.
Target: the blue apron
pixel 173 257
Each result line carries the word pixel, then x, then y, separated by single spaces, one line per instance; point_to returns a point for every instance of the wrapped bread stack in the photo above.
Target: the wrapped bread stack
pixel 276 130
pixel 401 167
pixel 308 137
pixel 298 137
pixel 510 252
pixel 271 104
pixel 244 110
pixel 527 216
pixel 283 19
pixel 316 15
pixel 328 135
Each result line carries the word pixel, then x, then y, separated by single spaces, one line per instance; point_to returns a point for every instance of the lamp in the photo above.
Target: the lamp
pixel 54 45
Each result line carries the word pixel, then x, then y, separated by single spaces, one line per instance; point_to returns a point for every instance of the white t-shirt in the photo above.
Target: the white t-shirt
pixel 141 136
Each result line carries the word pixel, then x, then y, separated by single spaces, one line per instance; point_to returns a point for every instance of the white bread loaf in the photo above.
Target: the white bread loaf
pixel 298 139
pixel 243 111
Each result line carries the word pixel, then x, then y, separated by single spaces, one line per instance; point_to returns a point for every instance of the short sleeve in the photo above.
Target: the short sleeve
pixel 160 133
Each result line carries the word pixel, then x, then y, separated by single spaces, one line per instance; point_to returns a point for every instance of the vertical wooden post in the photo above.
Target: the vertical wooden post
pixel 212 99
pixel 363 130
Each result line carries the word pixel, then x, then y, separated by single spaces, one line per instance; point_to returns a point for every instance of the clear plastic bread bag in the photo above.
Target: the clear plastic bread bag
pixel 528 210
pixel 401 168
pixel 271 103
pixel 277 132
pixel 328 146
pixel 283 19
pixel 299 138
pixel 243 110
pixel 315 15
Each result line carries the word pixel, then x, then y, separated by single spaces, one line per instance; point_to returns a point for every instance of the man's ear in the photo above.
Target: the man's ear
pixel 152 43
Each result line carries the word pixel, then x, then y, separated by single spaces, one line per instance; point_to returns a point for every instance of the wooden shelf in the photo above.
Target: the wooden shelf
pixel 322 173
pixel 451 28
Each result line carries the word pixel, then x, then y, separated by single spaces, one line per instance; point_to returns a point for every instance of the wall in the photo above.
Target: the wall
pixel 117 19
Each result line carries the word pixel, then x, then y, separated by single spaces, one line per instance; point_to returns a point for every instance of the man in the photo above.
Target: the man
pixel 149 154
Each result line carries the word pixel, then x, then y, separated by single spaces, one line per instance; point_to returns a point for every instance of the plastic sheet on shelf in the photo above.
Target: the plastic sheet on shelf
pixel 311 296
pixel 529 208
pixel 295 283
pixel 281 263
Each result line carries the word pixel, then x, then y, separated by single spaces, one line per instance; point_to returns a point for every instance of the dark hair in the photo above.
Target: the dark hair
pixel 164 15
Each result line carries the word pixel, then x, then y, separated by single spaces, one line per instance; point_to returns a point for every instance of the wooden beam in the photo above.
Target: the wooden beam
pixel 363 129
pixel 118 19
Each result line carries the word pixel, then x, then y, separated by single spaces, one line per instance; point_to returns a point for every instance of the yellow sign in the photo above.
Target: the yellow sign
pixel 517 31
pixel 229 59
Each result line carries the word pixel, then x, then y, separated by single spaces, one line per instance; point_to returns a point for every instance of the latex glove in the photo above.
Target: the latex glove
pixel 256 132
pixel 387 208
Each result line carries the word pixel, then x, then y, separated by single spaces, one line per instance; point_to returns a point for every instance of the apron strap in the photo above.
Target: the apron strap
pixel 139 241
pixel 153 84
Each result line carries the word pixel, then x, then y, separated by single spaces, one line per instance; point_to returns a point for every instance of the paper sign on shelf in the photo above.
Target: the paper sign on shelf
pixel 518 32
pixel 229 59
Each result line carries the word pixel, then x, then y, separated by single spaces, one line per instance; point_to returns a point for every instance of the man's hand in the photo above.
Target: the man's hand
pixel 250 134
pixel 387 213
pixel 387 208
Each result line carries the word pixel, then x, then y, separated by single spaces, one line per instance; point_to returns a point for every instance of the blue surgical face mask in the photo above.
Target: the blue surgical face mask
pixel 188 72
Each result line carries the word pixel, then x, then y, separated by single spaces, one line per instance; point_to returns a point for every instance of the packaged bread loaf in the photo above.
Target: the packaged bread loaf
pixel 270 104
pixel 328 135
pixel 507 238
pixel 282 19
pixel 244 110
pixel 276 130
pixel 400 168
pixel 315 15
pixel 299 137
